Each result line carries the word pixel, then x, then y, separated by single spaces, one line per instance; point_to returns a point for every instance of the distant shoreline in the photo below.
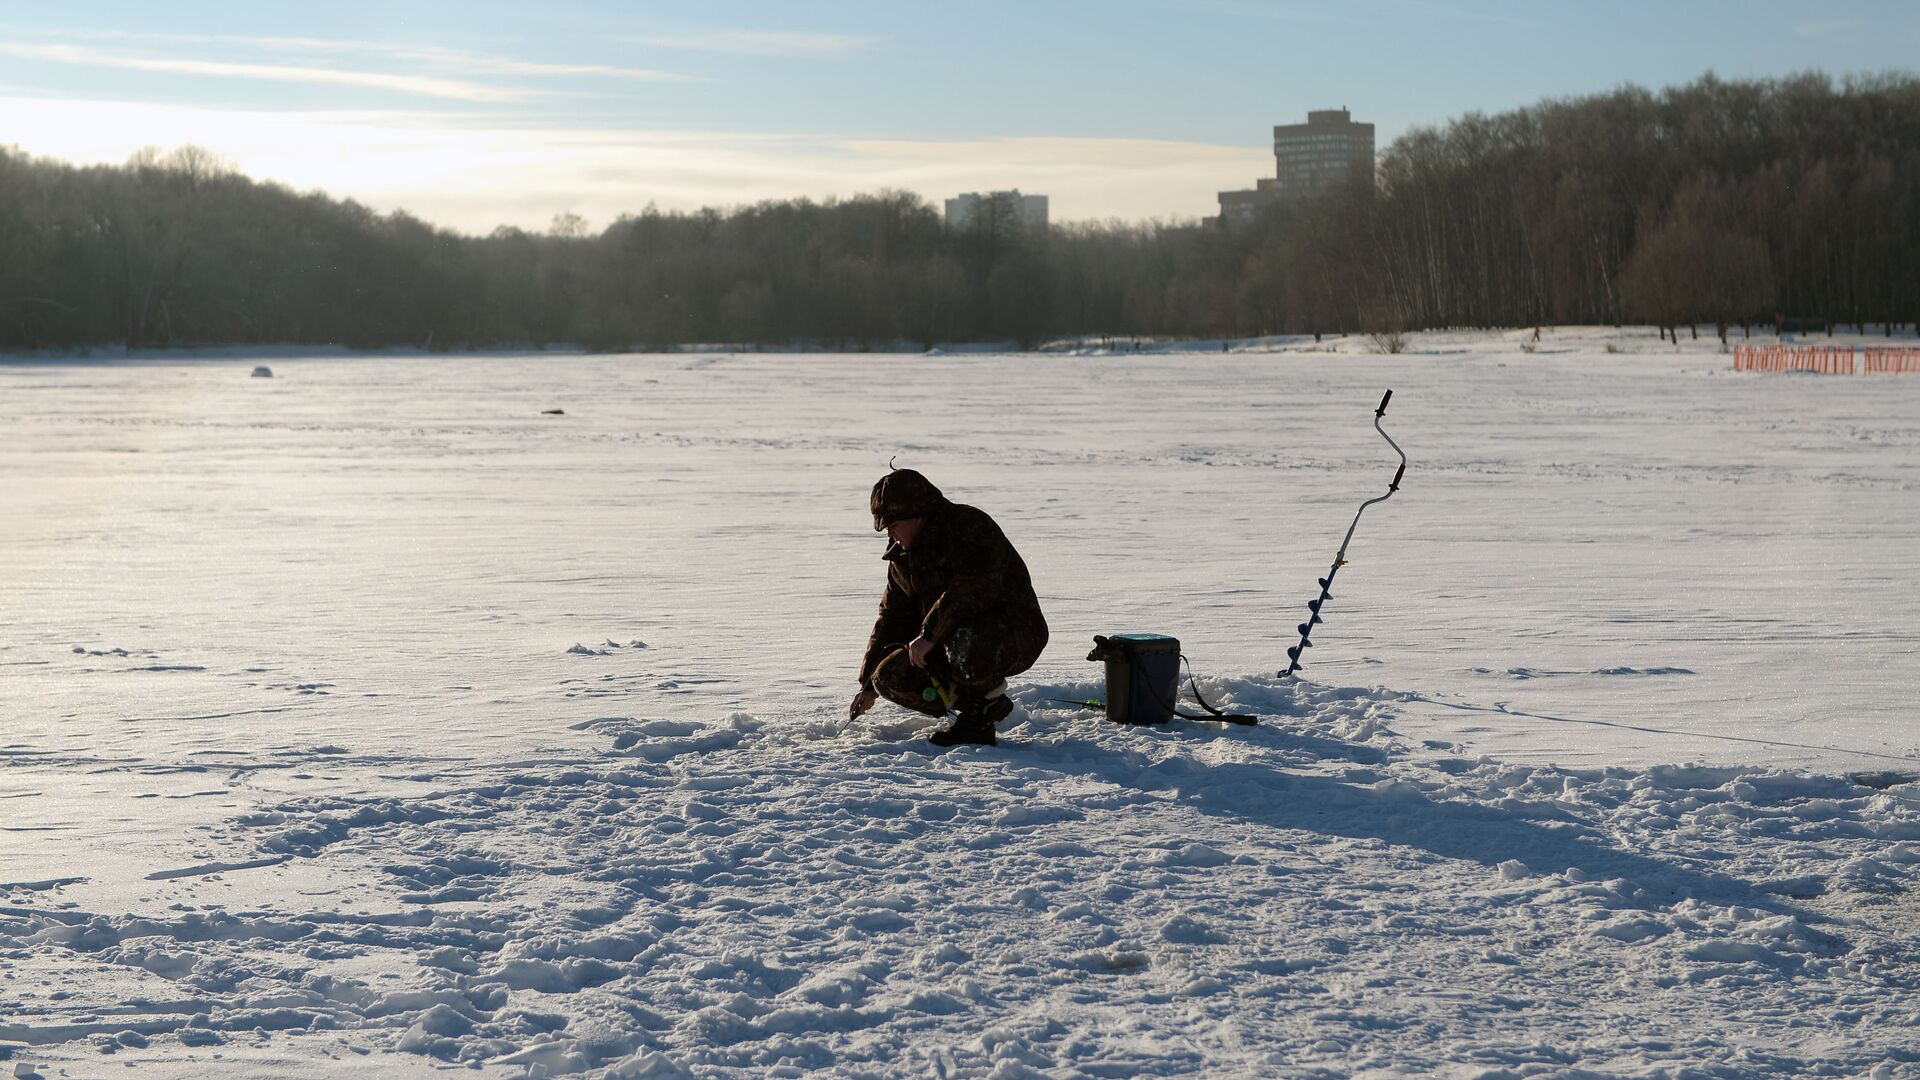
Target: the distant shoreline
pixel 1624 340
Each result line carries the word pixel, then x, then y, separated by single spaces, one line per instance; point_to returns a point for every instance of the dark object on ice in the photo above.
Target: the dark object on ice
pixel 263 372
pixel 1340 558
pixel 1143 680
pixel 553 412
pixel 1143 676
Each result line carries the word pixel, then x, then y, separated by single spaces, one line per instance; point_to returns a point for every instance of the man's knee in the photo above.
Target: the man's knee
pixel 897 680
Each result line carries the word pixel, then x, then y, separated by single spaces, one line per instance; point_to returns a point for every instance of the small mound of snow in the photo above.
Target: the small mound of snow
pixel 664 729
pixel 937 1003
pixel 1195 855
pixel 1692 777
pixel 436 1032
pixel 1114 960
pixel 647 1065
pixel 1183 930
pixel 1633 929
pixel 1732 952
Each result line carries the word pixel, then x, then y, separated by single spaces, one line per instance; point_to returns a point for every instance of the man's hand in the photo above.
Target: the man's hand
pixel 917 651
pixel 862 701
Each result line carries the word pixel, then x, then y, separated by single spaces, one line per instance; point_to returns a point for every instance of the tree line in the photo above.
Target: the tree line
pixel 1717 202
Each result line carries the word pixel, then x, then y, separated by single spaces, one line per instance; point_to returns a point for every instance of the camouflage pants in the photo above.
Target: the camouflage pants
pixel 979 658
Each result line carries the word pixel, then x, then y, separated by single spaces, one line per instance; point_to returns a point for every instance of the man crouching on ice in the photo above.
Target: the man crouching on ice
pixel 959 614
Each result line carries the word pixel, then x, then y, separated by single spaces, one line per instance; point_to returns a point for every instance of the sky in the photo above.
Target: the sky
pixel 478 113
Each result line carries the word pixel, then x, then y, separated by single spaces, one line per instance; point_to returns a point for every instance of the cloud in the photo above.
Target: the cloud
pixel 427 86
pixel 759 42
pixel 436 56
pixel 474 173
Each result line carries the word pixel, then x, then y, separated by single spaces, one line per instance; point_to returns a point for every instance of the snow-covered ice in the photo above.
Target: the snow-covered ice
pixel 365 721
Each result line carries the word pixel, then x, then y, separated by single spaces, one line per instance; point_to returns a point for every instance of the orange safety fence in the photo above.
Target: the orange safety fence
pixel 1892 359
pixel 1828 359
pixel 1823 359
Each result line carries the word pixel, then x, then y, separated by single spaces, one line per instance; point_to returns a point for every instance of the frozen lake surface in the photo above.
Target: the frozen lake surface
pixel 365 719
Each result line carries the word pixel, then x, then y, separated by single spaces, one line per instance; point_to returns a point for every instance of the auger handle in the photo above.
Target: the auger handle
pixel 1384 398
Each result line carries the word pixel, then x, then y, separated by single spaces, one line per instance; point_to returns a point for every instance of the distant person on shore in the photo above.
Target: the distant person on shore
pixel 959 615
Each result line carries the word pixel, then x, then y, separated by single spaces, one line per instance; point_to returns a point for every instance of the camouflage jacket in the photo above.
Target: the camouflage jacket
pixel 962 571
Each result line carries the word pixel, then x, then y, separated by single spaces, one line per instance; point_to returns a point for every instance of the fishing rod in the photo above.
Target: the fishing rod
pixel 1340 559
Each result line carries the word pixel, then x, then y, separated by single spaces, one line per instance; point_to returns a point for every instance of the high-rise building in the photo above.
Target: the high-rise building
pixel 1029 210
pixel 1313 156
pixel 1307 158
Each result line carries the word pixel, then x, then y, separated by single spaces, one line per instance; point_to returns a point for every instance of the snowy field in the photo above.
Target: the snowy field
pixel 364 721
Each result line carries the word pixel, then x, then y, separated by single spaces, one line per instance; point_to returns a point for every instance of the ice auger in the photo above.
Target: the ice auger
pixel 1340 559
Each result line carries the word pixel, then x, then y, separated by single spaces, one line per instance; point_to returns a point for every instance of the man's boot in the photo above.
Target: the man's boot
pixel 975 723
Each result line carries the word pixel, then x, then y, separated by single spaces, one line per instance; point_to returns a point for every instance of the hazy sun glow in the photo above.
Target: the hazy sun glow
pixel 482 173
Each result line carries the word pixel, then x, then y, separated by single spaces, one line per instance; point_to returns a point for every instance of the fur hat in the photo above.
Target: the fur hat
pixel 903 494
